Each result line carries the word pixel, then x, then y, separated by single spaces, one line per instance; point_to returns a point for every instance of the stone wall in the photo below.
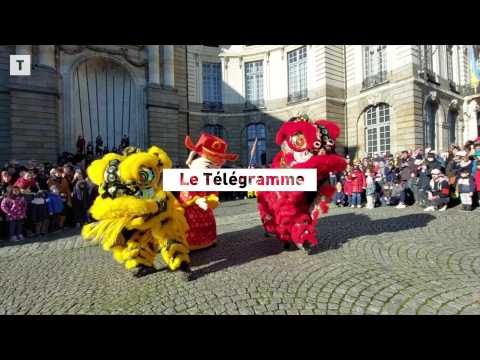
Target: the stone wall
pixel 4 104
pixel 34 115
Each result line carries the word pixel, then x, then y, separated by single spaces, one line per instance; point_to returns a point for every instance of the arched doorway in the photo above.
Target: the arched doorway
pixel 256 135
pixel 105 101
pixel 430 124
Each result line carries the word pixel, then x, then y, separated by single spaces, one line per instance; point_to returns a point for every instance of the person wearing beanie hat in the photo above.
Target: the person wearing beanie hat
pixel 422 184
pixel 466 188
pixel 438 191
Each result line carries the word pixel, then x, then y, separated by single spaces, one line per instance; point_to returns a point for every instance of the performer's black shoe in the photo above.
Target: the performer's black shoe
pixel 287 245
pixel 143 270
pixel 187 274
pixel 266 234
pixel 309 248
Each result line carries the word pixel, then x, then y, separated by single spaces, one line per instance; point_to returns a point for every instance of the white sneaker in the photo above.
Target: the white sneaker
pixel 359 206
pixel 401 206
pixel 13 238
pixel 77 225
pixel 352 206
pixel 430 208
pixel 443 208
pixel 20 237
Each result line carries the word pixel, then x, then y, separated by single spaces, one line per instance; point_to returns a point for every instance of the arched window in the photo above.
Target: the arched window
pixel 452 127
pixel 257 132
pixel 215 129
pixel 430 133
pixel 377 129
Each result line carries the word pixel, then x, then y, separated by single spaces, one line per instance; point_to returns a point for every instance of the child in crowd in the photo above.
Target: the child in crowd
pixel 466 188
pixel 438 191
pixel 347 188
pixel 370 190
pixel 386 194
pixel 422 184
pixel 358 185
pixel 15 209
pixel 39 213
pixel 339 195
pixel 80 200
pixel 55 209
pixel 27 182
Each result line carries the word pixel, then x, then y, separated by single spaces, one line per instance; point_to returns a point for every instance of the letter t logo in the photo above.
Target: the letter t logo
pixel 20 65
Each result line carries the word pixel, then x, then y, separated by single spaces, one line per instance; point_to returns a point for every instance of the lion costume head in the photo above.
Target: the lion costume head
pixel 133 215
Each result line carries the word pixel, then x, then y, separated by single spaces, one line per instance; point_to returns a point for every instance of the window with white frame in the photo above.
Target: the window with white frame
pixel 452 127
pixel 430 124
pixel 297 74
pixel 450 62
pixel 212 85
pixel 377 129
pixel 254 83
pixel 215 129
pixel 375 65
pixel 426 57
pixel 257 132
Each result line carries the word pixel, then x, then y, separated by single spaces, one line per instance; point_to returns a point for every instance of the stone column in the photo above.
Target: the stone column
pixel 23 50
pixel 46 55
pixel 154 64
pixel 168 66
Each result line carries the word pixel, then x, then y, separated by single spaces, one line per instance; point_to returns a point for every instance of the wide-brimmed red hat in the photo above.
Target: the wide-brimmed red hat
pixel 211 147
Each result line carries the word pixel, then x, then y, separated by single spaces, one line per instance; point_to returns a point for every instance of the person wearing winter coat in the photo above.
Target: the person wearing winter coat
pixel 15 208
pixel 370 190
pixel 80 200
pixel 422 184
pixel 432 162
pixel 56 209
pixel 358 186
pixel 339 195
pixel 466 188
pixel 6 181
pixel 438 192
pixel 347 188
pixel 39 213
pixel 27 182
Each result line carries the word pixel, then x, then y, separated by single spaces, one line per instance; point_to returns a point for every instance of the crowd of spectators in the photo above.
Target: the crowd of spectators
pixel 40 198
pixel 423 177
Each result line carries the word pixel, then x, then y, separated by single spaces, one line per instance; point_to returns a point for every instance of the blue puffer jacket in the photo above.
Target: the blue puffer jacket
pixel 55 204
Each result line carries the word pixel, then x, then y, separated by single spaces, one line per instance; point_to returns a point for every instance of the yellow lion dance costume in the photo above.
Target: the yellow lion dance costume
pixel 135 218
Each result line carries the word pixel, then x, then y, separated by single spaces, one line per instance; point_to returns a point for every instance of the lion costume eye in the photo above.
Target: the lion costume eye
pixel 299 140
pixel 146 176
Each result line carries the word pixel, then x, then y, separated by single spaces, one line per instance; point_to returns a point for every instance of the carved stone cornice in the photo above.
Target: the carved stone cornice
pixel 77 49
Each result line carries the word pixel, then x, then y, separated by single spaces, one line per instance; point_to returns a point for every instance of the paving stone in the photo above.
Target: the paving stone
pixel 392 261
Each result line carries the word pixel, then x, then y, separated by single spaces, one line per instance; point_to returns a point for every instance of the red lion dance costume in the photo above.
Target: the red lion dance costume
pixel 292 216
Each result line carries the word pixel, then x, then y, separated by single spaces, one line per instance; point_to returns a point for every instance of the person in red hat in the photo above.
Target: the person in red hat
pixel 210 152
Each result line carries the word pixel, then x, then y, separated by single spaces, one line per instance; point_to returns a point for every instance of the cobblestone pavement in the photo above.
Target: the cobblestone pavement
pixel 382 261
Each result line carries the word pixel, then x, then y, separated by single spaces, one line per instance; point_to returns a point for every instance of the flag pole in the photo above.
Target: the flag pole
pixel 253 151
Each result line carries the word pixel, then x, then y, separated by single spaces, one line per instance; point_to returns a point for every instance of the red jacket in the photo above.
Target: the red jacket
pixel 23 183
pixel 358 181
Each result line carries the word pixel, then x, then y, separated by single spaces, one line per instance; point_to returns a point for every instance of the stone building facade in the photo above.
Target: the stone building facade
pixel 91 90
pixel 417 89
pixel 384 97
